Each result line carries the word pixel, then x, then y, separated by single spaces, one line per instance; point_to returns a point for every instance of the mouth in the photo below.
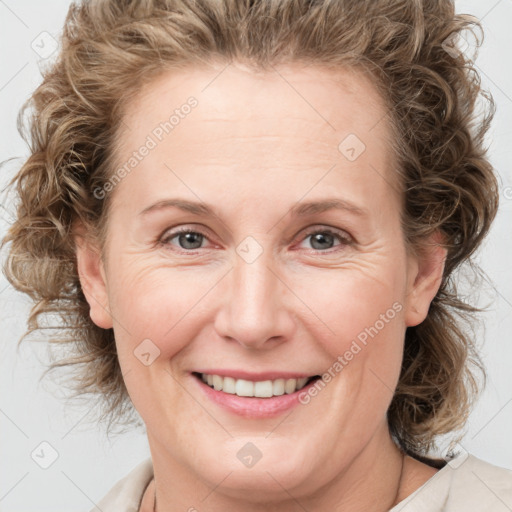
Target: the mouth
pixel 268 388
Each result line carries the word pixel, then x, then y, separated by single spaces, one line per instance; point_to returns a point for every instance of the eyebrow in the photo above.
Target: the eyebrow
pixel 312 207
pixel 301 209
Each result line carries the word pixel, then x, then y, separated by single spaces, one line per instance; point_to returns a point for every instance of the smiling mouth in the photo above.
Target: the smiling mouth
pixel 256 389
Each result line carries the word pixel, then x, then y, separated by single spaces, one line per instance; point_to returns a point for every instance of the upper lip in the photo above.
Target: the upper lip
pixel 255 376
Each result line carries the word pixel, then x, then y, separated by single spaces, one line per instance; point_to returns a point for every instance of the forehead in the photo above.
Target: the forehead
pixel 328 102
pixel 299 85
pixel 290 118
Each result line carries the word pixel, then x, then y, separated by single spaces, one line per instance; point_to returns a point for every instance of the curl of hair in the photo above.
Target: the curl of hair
pixel 112 48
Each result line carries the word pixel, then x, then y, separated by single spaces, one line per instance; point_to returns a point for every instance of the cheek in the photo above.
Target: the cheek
pixel 354 307
pixel 156 304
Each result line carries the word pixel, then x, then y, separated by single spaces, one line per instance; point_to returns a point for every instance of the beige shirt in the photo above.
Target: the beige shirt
pixel 465 484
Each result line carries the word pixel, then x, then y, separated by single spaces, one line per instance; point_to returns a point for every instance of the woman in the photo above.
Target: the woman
pixel 189 161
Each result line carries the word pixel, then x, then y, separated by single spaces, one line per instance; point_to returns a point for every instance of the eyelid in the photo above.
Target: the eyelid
pixel 343 236
pixel 341 233
pixel 170 233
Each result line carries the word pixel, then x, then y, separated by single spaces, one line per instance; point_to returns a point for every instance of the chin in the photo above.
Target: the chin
pixel 280 464
pixel 263 485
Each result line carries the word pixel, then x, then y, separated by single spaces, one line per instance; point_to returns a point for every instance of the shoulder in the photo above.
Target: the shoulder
pixel 126 494
pixel 483 483
pixel 464 483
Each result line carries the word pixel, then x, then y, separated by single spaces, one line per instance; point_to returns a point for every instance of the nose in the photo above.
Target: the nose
pixel 255 305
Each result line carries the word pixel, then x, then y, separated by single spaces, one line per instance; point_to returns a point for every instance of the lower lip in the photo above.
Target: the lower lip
pixel 252 407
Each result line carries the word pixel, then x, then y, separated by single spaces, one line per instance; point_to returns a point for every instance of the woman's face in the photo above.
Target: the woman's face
pixel 294 266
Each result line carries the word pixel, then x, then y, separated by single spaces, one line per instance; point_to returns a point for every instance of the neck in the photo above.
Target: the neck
pixel 371 482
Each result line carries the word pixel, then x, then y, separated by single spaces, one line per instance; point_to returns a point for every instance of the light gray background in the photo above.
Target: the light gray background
pixel 89 463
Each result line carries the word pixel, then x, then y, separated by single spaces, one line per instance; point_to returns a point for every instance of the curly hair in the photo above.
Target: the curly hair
pixel 110 49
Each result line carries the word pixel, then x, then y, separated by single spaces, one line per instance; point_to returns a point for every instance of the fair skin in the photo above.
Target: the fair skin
pixel 253 148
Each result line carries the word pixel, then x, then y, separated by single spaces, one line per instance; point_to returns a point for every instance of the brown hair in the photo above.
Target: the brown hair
pixel 110 49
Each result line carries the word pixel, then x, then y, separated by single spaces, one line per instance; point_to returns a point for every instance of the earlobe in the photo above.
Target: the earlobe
pixel 92 277
pixel 425 275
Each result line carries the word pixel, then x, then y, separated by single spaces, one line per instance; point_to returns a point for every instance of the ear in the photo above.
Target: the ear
pixel 425 272
pixel 91 273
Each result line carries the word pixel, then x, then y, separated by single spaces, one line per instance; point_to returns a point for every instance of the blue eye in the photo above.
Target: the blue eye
pixel 187 240
pixel 325 239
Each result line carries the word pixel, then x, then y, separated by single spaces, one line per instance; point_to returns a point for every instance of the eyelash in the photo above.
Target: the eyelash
pixel 345 240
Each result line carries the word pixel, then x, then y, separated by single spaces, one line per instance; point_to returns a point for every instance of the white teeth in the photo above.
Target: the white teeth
pixel 290 385
pixel 260 389
pixel 229 385
pixel 263 389
pixel 278 387
pixel 243 387
pixel 217 382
